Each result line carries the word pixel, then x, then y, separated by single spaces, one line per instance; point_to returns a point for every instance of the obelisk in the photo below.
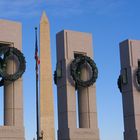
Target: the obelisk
pixel 46 92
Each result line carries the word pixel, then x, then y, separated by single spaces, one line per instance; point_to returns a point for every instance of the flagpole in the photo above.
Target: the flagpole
pixel 37 96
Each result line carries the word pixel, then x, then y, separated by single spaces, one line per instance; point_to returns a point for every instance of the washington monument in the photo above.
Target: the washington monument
pixel 46 92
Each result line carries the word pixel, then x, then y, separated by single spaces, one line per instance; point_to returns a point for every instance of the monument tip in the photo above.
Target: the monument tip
pixel 44 17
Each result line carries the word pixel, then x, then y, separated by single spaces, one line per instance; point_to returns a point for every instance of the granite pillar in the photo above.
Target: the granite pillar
pixel 13 129
pixel 69 45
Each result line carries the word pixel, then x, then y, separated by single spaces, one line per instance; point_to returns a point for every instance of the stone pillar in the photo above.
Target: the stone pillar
pixel 46 92
pixel 130 57
pixel 83 101
pixel 70 44
pixel 9 108
pixel 13 129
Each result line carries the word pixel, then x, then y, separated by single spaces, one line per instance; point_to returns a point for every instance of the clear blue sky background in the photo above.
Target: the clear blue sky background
pixel 110 22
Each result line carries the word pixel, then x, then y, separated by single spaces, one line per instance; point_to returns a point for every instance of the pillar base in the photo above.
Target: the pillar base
pixel 78 134
pixel 11 133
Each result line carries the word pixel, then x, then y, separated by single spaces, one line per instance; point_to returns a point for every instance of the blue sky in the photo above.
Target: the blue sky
pixel 109 21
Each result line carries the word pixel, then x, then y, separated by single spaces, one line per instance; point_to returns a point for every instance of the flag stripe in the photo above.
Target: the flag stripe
pixel 36 50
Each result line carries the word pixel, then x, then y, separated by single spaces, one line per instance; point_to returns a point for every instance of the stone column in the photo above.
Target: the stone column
pixel 70 44
pixel 13 129
pixel 9 107
pixel 130 57
pixel 83 101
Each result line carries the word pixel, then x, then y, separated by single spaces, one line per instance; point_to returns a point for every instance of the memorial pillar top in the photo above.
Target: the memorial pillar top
pixel 129 53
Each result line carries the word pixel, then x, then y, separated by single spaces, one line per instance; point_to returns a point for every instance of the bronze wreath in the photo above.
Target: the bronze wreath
pixel 138 76
pixel 8 52
pixel 119 82
pixel 75 71
pixel 55 77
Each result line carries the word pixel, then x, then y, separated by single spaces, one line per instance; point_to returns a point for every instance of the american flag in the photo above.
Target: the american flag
pixel 36 49
pixel 37 80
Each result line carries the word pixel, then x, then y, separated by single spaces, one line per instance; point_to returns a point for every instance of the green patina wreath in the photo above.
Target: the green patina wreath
pixel 75 69
pixel 5 54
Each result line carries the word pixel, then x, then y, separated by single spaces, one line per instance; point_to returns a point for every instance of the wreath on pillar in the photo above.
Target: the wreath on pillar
pixel 138 75
pixel 119 83
pixel 5 54
pixel 75 67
